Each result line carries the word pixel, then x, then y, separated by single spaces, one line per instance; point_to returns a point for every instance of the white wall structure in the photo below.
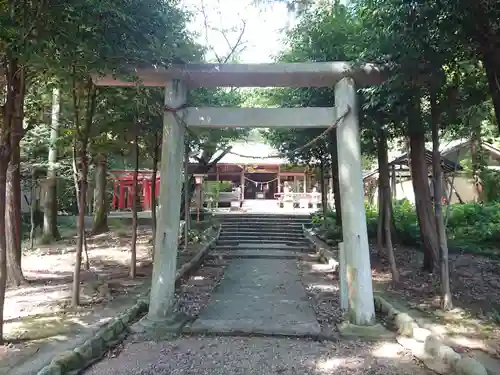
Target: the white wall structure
pixel 344 76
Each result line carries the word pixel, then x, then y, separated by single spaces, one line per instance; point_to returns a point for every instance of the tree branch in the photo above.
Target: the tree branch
pixel 219 158
pixel 234 48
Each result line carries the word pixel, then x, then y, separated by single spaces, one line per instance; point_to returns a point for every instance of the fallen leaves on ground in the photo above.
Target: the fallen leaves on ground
pixel 475 286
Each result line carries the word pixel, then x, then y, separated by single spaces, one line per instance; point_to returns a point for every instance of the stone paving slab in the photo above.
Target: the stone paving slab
pixel 259 296
pixel 256 327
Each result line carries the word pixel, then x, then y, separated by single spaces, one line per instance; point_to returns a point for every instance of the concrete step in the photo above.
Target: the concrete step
pixel 239 242
pixel 296 219
pixel 262 247
pixel 268 228
pixel 262 237
pixel 262 234
pixel 262 220
pixel 271 225
pixel 263 216
pixel 259 254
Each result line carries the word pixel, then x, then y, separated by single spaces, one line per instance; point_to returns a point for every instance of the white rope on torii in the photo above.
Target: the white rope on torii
pixel 181 121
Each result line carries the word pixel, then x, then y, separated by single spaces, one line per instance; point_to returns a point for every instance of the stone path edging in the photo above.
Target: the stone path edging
pixel 426 346
pixel 71 362
pixel 422 343
pixel 324 251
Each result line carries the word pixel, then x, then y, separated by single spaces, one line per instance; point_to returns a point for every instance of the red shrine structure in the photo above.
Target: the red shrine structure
pixel 259 181
pixel 123 181
pixel 260 177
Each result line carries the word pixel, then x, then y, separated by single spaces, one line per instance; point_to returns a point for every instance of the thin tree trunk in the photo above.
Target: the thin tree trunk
pixel 100 209
pixel 156 157
pixel 50 230
pixel 389 244
pixel 380 223
pixel 420 179
pixel 332 147
pixel 13 220
pixel 82 137
pixel 476 156
pixel 133 250
pixel 9 125
pixel 75 298
pixel 32 209
pixel 386 203
pixel 187 203
pixel 446 299
pixel 4 160
pixel 78 201
pixel 13 193
pixel 450 193
pixel 426 222
pixel 491 62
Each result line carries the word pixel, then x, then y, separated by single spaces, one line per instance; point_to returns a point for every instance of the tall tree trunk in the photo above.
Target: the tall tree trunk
pixel 13 197
pixel 135 196
pixel 380 223
pixel 386 202
pixel 426 221
pixel 101 207
pixel 77 182
pixel 13 219
pixel 491 61
pixel 332 147
pixel 75 297
pixel 476 156
pixel 33 203
pixel 82 139
pixel 446 298
pixel 4 160
pixel 156 157
pixel 10 132
pixel 50 231
pixel 419 171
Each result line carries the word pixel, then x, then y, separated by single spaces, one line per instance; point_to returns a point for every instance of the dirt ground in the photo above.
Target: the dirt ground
pixel 38 319
pixel 475 285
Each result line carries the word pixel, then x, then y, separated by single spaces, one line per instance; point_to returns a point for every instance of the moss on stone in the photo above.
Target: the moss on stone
pixel 375 331
pixel 469 366
pixel 68 361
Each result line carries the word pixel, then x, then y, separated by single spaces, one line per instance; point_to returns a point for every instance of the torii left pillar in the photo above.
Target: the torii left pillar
pixel 167 233
pixel 354 231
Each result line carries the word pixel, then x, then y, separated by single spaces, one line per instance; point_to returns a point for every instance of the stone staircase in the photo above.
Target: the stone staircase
pixel 262 235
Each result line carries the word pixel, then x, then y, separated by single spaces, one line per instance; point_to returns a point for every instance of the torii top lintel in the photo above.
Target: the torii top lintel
pixel 309 74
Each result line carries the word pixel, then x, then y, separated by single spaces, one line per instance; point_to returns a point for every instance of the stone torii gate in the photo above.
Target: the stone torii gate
pixel 345 77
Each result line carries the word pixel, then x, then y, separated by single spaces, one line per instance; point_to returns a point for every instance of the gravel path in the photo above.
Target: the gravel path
pixel 262 356
pixel 195 292
pixel 322 287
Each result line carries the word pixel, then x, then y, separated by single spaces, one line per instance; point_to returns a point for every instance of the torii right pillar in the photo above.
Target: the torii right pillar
pixel 354 230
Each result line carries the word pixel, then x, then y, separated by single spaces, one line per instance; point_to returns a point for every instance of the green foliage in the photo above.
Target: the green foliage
pixel 490 180
pixel 406 222
pixel 472 227
pixel 214 188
